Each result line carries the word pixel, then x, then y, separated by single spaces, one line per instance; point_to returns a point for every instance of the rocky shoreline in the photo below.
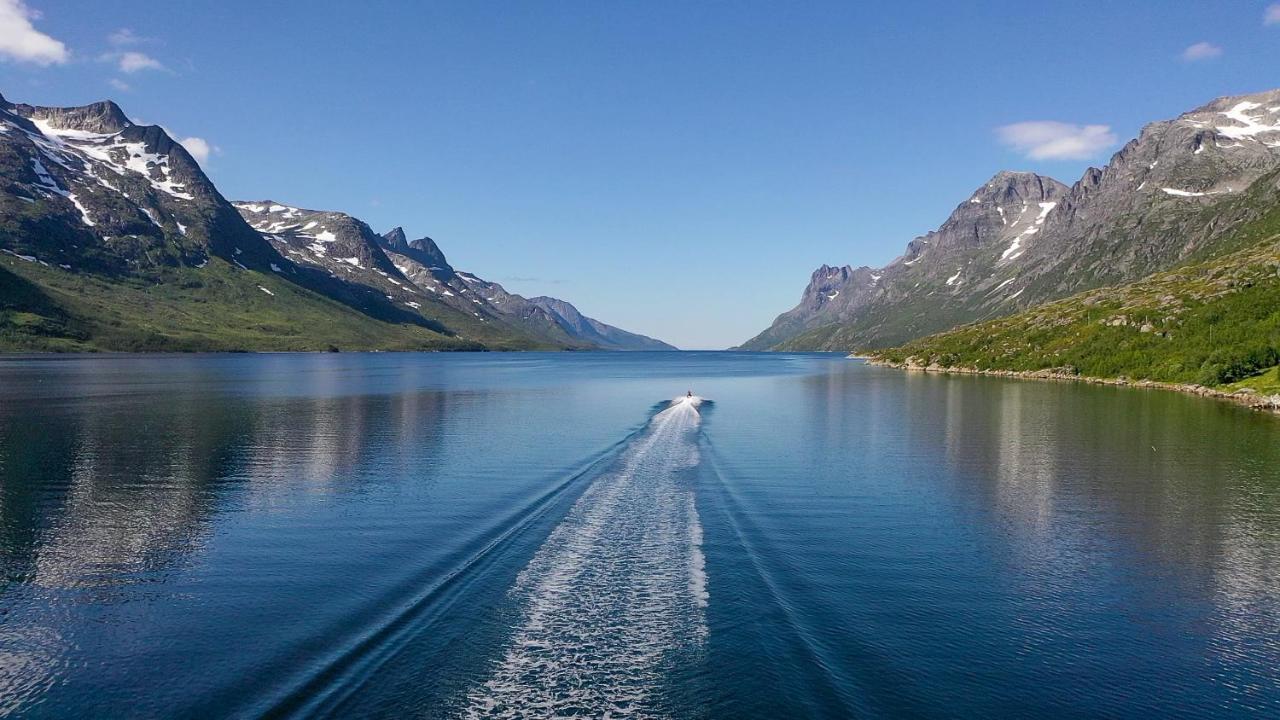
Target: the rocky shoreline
pixel 1249 399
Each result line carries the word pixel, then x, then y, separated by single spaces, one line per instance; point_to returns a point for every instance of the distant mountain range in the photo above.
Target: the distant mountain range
pixel 1180 192
pixel 415 273
pixel 113 238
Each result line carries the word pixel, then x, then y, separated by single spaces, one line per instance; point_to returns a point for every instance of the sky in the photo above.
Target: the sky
pixel 677 169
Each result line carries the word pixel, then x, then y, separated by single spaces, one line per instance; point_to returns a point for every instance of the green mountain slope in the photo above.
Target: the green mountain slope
pixel 1212 321
pixel 216 307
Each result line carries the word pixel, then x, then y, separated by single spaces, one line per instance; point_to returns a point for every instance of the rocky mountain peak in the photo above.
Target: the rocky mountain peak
pixel 423 251
pixel 1011 186
pixel 560 307
pixel 104 117
pixel 1266 100
pixel 105 192
pixel 428 253
pixel 396 239
pixel 1146 206
pixel 1005 211
pixel 828 274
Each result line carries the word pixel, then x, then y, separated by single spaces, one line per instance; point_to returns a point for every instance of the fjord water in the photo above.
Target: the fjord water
pixel 519 535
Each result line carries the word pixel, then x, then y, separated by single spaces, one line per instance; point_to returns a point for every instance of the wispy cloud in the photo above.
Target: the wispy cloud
pixel 1271 16
pixel 119 84
pixel 129 61
pixel 1052 140
pixel 124 37
pixel 20 41
pixel 1201 51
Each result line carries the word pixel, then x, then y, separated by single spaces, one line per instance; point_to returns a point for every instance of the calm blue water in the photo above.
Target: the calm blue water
pixel 522 535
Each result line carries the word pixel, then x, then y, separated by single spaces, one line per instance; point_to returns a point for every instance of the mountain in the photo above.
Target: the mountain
pixel 1211 321
pixel 122 242
pixel 88 188
pixel 417 275
pixel 118 240
pixel 592 330
pixel 113 238
pixel 423 262
pixel 993 225
pixel 423 251
pixel 348 252
pixel 943 277
pixel 1170 194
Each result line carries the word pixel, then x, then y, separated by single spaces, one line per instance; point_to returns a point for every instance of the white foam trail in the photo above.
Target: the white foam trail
pixel 697 561
pixel 616 595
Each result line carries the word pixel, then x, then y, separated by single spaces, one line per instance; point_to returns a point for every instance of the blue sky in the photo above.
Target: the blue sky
pixel 676 169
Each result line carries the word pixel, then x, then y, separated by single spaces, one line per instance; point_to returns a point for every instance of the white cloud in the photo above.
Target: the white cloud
pixel 124 36
pixel 119 84
pixel 1271 16
pixel 1201 51
pixel 129 61
pixel 133 61
pixel 1051 140
pixel 199 148
pixel 19 40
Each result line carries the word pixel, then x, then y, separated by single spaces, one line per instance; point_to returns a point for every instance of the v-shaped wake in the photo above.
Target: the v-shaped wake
pixel 615 597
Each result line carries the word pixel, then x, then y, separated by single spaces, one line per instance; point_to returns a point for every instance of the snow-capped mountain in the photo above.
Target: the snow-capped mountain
pixel 416 273
pixel 87 187
pixel 423 262
pixel 1147 208
pixel 90 191
pixel 97 210
pixel 1023 239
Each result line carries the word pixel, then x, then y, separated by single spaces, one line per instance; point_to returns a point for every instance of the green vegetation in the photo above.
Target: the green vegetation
pixel 1212 322
pixel 214 308
pixel 1266 383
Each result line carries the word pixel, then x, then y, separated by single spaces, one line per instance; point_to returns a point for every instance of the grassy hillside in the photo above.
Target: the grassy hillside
pixel 1264 383
pixel 214 308
pixel 1214 321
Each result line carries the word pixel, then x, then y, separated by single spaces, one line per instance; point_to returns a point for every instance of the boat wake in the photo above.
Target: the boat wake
pixel 615 598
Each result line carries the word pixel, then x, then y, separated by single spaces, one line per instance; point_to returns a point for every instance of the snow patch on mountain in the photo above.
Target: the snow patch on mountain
pixel 1249 125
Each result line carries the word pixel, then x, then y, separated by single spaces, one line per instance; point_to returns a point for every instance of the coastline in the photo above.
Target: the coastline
pixel 1253 401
